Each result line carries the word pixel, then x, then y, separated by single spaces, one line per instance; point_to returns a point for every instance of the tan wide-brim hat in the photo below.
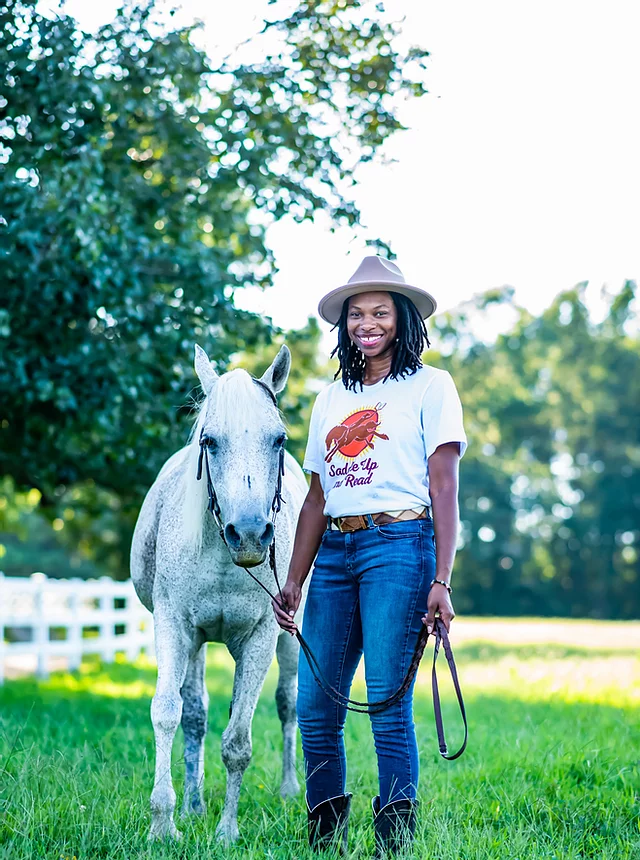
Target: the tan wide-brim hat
pixel 375 274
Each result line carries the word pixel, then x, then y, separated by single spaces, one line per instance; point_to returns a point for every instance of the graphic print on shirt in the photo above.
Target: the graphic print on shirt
pixel 355 434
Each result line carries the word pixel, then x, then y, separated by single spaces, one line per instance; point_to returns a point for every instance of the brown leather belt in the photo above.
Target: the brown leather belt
pixel 367 521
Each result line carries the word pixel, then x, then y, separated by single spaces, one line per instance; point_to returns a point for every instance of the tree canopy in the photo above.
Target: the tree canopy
pixel 137 182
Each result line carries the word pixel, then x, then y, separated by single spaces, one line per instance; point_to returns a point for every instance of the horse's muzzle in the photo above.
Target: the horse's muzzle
pixel 248 540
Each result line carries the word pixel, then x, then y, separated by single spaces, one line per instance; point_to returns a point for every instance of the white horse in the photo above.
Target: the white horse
pixel 188 577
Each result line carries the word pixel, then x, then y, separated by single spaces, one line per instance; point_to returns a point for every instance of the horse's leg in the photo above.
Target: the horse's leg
pixel 172 650
pixel 288 651
pixel 195 704
pixel 253 657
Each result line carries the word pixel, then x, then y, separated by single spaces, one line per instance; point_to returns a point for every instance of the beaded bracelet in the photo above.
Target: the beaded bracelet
pixel 441 582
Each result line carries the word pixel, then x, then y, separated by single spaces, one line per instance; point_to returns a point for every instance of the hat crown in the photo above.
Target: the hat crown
pixel 374 268
pixel 375 274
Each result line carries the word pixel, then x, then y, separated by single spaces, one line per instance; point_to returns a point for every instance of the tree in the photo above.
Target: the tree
pixel 136 187
pixel 594 395
pixel 550 486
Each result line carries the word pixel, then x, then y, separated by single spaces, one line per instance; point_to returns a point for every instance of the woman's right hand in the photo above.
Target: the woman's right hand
pixel 291 594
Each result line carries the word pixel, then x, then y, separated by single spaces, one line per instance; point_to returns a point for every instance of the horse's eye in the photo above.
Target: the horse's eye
pixel 280 441
pixel 210 442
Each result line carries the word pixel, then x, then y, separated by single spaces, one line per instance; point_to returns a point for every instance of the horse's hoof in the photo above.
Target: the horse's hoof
pixel 159 833
pixel 227 833
pixel 289 788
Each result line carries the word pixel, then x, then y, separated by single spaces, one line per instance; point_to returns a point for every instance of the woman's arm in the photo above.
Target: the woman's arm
pixel 443 488
pixel 311 524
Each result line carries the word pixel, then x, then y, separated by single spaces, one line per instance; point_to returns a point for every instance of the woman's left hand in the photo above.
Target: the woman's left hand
pixel 439 602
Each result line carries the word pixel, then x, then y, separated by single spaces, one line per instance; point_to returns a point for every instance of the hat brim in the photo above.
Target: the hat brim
pixel 330 306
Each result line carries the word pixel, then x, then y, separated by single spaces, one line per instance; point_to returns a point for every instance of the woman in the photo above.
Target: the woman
pixel 383 451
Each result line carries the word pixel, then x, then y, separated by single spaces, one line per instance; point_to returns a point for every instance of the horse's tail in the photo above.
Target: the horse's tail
pixel 143 547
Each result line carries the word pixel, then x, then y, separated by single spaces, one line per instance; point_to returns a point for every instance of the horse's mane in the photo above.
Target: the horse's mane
pixel 234 394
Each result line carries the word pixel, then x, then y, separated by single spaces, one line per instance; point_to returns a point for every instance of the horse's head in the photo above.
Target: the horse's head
pixel 243 436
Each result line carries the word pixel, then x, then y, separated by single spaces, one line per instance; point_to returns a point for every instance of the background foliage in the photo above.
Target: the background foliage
pixel 137 182
pixel 550 485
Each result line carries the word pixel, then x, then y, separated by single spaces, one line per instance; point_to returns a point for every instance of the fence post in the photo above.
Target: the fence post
pixel 75 628
pixel 130 620
pixel 2 602
pixel 107 632
pixel 40 627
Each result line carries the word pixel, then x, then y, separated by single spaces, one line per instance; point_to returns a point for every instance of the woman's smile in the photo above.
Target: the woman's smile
pixel 367 340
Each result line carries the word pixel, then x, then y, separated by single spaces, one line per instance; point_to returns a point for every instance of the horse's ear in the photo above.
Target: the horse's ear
pixel 206 373
pixel 277 374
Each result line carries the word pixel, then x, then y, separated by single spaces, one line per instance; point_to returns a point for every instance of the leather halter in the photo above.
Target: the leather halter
pixel 440 631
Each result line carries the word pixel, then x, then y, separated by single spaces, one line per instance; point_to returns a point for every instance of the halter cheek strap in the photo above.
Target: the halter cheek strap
pixel 212 504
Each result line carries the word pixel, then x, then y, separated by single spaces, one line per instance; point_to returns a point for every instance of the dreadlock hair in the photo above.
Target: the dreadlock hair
pixel 411 336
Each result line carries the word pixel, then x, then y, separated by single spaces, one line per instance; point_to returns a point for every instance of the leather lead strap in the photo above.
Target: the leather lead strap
pixel 442 636
pixel 357 707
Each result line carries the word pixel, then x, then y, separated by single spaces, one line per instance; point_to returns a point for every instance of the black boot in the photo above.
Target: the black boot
pixel 328 823
pixel 394 825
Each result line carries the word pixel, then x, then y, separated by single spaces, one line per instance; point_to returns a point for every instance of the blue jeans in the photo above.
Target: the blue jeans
pixel 367 595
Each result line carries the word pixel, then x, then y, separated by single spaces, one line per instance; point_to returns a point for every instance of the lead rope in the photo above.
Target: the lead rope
pixel 441 636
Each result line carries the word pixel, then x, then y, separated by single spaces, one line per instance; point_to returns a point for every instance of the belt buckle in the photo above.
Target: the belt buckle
pixel 352 527
pixel 354 524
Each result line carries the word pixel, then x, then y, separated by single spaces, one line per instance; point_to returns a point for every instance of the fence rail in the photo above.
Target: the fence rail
pixel 46 618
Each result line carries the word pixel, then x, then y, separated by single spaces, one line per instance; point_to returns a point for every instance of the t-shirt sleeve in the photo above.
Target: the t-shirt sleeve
pixel 313 456
pixel 442 415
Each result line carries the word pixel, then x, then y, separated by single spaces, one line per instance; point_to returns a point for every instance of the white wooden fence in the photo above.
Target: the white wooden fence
pixel 43 618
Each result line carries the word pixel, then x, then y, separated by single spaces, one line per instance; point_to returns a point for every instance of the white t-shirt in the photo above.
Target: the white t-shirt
pixel 371 447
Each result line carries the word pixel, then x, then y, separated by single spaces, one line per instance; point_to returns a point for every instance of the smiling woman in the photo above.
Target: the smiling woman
pixel 383 451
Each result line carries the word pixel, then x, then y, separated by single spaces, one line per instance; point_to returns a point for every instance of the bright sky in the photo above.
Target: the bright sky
pixel 519 167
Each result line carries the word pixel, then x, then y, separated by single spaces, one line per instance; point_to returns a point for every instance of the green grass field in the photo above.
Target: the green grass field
pixel 552 769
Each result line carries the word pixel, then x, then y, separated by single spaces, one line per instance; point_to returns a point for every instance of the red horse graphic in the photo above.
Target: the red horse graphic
pixel 355 434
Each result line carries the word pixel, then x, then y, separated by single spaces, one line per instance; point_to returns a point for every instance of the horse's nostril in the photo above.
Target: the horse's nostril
pixel 267 535
pixel 232 535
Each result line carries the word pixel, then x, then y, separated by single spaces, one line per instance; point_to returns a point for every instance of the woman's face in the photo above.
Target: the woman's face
pixel 371 323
